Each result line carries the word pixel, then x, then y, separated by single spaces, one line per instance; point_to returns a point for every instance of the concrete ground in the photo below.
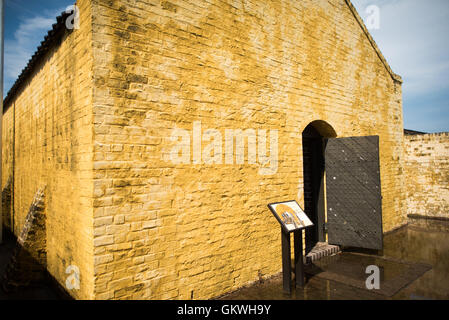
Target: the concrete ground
pixel 415 266
pixel 406 252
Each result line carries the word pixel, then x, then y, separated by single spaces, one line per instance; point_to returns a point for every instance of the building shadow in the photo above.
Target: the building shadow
pixel 22 277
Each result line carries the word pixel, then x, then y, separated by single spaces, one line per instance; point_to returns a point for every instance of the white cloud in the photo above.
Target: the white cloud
pixel 19 49
pixel 413 37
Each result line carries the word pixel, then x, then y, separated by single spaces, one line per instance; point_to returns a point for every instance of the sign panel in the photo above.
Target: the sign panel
pixel 290 215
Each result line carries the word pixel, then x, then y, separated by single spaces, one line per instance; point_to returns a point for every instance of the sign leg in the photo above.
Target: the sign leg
pixel 299 260
pixel 286 262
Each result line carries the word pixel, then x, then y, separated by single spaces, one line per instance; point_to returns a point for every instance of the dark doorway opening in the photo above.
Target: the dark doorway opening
pixel 313 143
pixel 313 166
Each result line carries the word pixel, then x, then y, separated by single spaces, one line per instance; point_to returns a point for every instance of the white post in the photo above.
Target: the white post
pixel 2 7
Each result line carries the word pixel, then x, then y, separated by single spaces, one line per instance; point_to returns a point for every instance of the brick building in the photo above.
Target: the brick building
pixel 96 117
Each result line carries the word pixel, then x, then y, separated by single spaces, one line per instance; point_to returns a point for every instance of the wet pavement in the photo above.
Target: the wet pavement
pixel 414 266
pixel 424 241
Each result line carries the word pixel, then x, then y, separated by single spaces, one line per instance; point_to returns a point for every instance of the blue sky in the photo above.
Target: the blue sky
pixel 413 36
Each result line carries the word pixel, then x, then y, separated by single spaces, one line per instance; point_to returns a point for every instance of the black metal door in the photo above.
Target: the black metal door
pixel 354 205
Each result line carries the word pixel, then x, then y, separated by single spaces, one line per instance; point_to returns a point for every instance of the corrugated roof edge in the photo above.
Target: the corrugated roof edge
pixel 413 132
pixel 55 34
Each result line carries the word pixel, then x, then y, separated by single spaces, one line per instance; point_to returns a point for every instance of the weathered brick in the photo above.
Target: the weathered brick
pixel 426 171
pixel 105 103
pixel 104 240
pixel 53 120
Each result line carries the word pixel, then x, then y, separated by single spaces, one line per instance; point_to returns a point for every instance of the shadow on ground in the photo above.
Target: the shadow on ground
pixel 45 289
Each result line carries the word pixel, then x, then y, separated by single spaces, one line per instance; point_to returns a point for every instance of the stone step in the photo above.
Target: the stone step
pixel 321 249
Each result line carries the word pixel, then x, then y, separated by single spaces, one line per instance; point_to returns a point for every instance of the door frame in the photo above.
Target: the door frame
pixel 315 208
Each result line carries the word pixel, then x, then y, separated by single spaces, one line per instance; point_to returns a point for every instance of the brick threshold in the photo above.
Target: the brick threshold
pixel 321 250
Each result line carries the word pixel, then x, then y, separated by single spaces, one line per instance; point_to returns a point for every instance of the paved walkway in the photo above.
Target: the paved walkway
pixel 414 266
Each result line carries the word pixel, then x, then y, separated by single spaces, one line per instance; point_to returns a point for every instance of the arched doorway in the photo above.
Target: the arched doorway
pixel 313 144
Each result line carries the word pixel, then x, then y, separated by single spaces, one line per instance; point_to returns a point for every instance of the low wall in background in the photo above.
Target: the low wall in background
pixel 426 169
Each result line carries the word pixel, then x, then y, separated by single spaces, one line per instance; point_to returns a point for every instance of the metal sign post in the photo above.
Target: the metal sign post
pixel 287 262
pixel 292 219
pixel 299 258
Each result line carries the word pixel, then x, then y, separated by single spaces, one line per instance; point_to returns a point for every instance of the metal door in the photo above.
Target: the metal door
pixel 353 193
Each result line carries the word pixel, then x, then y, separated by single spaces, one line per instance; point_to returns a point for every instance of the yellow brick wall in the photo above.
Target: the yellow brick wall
pixel 7 169
pixel 426 169
pixel 53 148
pixel 167 231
